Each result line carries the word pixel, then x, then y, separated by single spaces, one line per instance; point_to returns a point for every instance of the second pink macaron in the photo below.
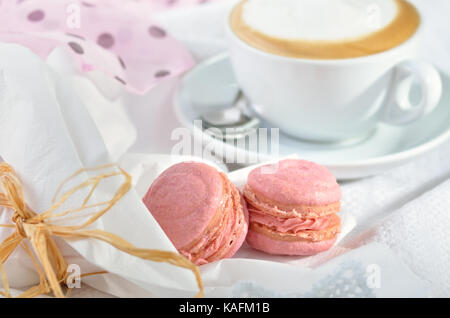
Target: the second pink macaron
pixel 292 208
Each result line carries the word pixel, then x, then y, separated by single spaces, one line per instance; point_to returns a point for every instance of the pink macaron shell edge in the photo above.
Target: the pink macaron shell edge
pixel 269 245
pixel 242 236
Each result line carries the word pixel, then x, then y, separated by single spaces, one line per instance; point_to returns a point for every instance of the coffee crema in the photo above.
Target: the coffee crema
pixel 330 44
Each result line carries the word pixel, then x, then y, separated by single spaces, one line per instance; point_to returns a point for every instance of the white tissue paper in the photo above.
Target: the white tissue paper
pixel 50 130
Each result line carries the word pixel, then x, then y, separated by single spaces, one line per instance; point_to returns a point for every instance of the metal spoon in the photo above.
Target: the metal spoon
pixel 232 122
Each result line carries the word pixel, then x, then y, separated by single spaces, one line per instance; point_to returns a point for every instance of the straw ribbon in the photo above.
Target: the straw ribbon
pixel 35 232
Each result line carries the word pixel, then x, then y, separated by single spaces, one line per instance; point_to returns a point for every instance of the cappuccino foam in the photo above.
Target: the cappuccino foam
pixel 324 29
pixel 318 19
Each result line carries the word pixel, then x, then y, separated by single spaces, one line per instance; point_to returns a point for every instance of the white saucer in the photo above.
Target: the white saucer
pixel 213 82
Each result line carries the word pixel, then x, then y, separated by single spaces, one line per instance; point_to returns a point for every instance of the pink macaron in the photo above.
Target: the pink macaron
pixel 292 208
pixel 200 210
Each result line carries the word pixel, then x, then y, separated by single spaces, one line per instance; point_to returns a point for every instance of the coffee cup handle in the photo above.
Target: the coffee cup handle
pixel 399 109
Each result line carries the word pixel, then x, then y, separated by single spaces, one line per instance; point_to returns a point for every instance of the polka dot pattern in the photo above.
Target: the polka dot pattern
pixel 76 36
pixel 156 32
pixel 162 73
pixel 36 16
pixel 127 46
pixel 120 80
pixel 121 62
pixel 105 40
pixel 76 47
pixel 87 4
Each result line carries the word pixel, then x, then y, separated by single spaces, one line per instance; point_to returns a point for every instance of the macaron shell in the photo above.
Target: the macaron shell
pixel 200 210
pixel 295 182
pixel 230 235
pixel 213 241
pixel 292 207
pixel 269 245
pixel 184 199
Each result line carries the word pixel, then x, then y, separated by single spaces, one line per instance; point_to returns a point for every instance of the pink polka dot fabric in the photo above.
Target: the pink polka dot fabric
pixel 116 37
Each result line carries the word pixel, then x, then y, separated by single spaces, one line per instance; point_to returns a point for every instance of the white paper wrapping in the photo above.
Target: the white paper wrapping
pixel 145 168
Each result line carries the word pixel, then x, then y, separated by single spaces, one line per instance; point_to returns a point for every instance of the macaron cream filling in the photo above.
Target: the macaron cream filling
pixel 288 225
pixel 326 233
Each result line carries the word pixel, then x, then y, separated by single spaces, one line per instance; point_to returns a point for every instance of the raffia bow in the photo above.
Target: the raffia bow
pixel 38 230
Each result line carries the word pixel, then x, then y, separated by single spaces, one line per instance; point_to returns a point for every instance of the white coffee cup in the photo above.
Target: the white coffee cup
pixel 337 99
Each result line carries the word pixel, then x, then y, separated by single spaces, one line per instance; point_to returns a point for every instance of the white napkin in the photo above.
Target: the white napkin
pixel 419 234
